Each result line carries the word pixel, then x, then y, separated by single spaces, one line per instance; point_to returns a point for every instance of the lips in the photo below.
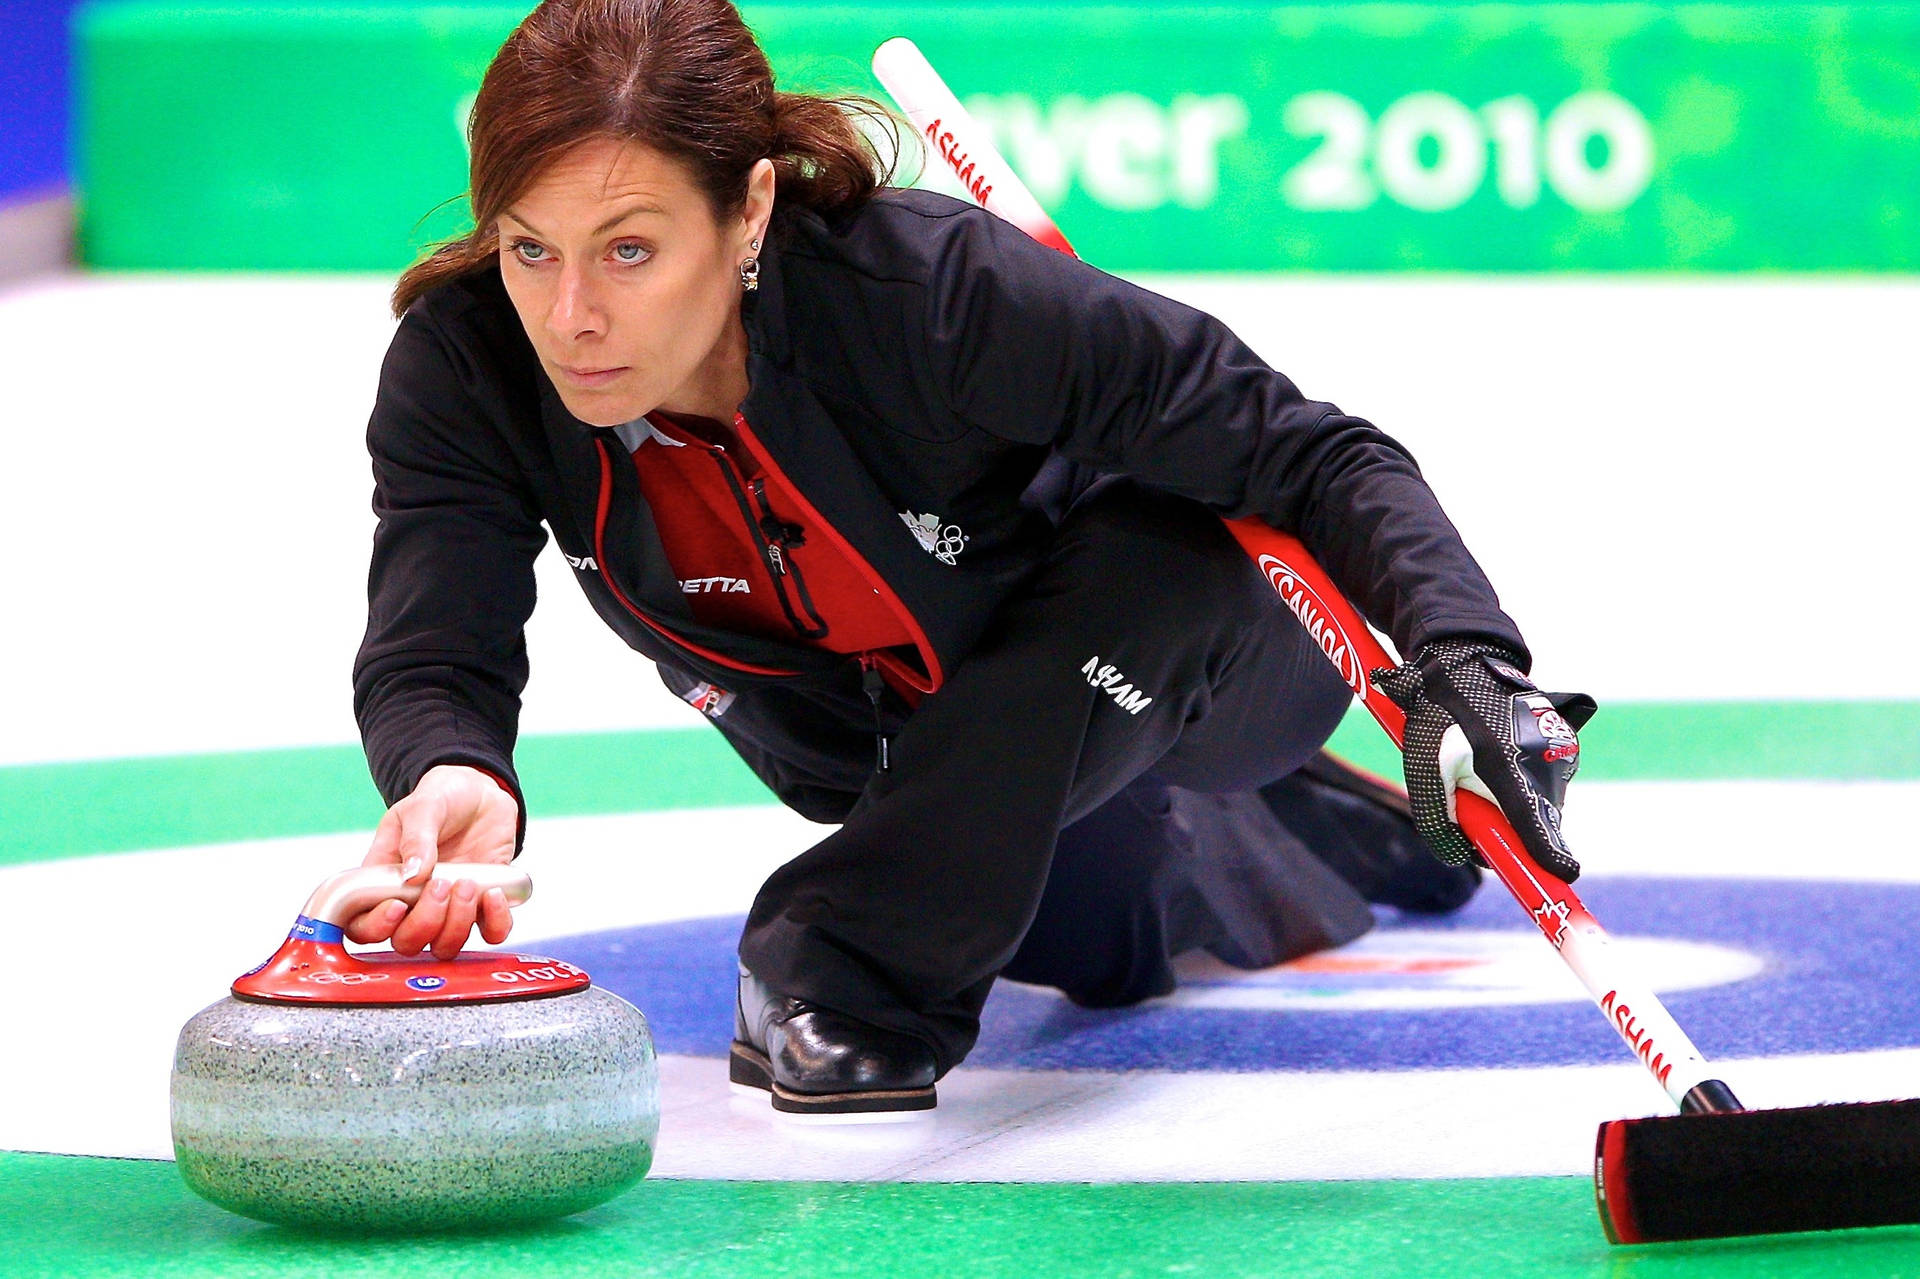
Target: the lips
pixel 592 377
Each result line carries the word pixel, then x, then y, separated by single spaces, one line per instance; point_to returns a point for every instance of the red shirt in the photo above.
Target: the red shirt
pixel 738 544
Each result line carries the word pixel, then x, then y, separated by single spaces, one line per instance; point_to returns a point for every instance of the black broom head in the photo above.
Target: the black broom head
pixel 1759 1172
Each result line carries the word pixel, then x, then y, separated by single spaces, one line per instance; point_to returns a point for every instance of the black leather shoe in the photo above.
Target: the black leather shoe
pixel 1361 826
pixel 818 1062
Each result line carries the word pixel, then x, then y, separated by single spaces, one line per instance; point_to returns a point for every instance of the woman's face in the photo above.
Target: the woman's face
pixel 628 288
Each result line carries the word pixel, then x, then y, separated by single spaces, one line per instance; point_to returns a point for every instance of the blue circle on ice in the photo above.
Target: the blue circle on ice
pixel 1789 967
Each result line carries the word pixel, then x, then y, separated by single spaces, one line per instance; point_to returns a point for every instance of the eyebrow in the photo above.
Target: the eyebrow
pixel 604 227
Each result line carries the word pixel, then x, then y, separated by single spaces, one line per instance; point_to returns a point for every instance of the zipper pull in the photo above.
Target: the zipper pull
pixel 772 527
pixel 776 561
pixel 875 688
pixel 777 530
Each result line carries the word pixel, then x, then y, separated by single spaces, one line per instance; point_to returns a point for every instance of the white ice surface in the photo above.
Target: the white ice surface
pixel 1683 487
pixel 166 931
pixel 996 1125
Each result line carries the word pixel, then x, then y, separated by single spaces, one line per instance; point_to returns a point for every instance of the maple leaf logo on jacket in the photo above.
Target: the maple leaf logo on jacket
pixel 942 541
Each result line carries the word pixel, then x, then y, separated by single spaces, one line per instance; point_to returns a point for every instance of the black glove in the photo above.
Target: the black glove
pixel 1474 719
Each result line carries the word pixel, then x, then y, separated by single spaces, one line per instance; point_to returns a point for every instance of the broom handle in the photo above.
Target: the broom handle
pixel 1630 1006
pixel 950 135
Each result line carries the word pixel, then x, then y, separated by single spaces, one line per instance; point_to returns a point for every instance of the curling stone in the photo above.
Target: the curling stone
pixel 377 1092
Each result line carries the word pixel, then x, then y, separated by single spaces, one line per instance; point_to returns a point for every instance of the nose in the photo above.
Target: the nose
pixel 575 312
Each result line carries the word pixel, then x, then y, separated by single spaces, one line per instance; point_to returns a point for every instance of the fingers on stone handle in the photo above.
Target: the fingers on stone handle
pixel 424 922
pixel 420 838
pixel 385 848
pixel 496 917
pixel 376 924
pixel 463 905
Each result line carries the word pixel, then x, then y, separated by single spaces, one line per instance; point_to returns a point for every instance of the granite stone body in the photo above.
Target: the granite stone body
pixel 442 1116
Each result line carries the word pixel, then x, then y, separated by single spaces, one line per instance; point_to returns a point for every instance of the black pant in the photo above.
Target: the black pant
pixel 1121 710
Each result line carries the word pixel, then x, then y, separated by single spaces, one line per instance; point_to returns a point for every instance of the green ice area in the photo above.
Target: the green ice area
pixel 135 1218
pixel 68 809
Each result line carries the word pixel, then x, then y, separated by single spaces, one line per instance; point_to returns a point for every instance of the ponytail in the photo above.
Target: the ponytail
pixel 822 160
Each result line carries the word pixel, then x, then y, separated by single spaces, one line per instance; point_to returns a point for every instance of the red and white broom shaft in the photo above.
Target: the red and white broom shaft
pixel 1630 1006
pixel 952 138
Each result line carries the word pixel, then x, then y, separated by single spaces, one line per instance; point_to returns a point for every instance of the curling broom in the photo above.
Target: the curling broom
pixel 1715 1169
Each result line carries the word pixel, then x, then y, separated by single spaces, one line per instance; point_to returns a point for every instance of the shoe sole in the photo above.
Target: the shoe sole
pixel 749 1067
pixel 1337 774
pixel 1330 770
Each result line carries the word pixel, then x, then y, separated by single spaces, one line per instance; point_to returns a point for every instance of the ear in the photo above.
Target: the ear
pixel 758 210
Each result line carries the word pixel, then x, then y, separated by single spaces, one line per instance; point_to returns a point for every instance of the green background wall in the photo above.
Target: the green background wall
pixel 1369 137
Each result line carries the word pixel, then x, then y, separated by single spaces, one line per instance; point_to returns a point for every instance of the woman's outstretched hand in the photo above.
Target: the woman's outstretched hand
pixel 1475 720
pixel 455 814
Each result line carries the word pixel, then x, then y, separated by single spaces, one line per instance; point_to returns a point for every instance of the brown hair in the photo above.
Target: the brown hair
pixel 684 77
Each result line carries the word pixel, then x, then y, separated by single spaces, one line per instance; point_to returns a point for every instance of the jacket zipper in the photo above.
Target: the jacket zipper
pixel 874 685
pixel 934 676
pixel 784 537
pixel 606 575
pixel 774 537
pixel 871 681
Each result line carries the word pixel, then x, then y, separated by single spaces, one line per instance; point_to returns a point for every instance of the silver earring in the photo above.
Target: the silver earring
pixel 750 275
pixel 755 246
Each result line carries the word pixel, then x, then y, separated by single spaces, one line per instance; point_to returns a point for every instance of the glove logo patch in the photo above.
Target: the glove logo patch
pixel 1318 619
pixel 1556 736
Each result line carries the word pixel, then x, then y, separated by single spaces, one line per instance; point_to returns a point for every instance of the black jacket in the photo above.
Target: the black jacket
pixel 919 357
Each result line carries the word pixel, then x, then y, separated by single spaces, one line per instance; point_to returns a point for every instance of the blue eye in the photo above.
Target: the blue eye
pixel 527 251
pixel 639 253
